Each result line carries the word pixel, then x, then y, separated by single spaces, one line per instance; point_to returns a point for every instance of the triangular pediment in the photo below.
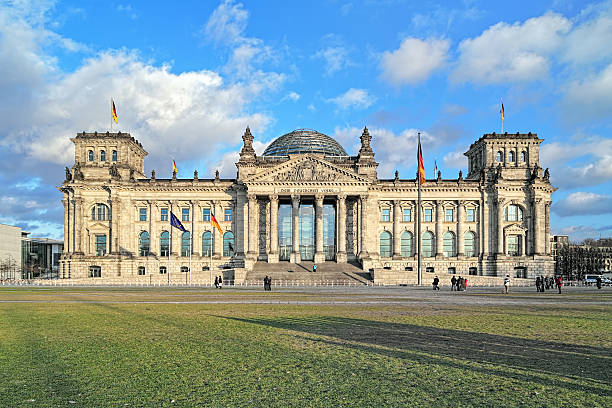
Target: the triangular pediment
pixel 514 229
pixel 306 169
pixel 98 226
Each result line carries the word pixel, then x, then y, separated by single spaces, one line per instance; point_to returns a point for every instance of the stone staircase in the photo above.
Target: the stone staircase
pixel 301 273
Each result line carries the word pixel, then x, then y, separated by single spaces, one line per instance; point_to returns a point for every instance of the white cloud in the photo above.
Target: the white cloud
pixel 227 23
pixel 293 96
pixel 590 97
pixel 583 203
pixel 517 52
pixel 577 233
pixel 456 160
pixel 577 165
pixel 590 41
pixel 353 98
pixel 414 61
pixel 336 58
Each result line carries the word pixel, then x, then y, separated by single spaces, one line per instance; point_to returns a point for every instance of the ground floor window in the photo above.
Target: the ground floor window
pixel 95 272
pixel 473 271
pixel 452 270
pixel 141 270
pixel 520 272
pixel 430 269
pixel 163 270
pixel 184 269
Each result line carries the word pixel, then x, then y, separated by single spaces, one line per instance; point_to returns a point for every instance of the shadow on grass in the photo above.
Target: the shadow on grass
pixel 544 362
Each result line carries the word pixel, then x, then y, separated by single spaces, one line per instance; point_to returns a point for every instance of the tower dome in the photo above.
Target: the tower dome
pixel 302 141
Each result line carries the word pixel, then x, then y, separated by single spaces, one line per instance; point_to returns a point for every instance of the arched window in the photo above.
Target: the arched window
pixel 206 243
pixel 228 244
pixel 406 243
pixel 99 212
pixel 449 244
pixel 511 157
pixel 90 155
pixel 114 155
pixel 513 213
pixel 523 157
pixel 385 244
pixel 427 244
pixel 185 243
pixel 144 243
pixel 164 243
pixel 469 242
pixel 500 156
pixel 102 155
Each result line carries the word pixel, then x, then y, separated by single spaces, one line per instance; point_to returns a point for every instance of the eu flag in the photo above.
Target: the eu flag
pixel 176 223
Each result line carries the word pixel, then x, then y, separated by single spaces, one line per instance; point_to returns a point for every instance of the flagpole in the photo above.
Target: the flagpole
pixel 419 222
pixel 170 246
pixel 190 251
pixel 502 115
pixel 210 248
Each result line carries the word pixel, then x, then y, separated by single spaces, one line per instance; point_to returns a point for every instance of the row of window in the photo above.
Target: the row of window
pixel 427 244
pixel 449 215
pixel 144 243
pixel 90 155
pixel 100 212
pixel 95 271
pixel 511 156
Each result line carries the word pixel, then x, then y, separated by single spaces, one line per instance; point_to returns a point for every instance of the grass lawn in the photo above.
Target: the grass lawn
pixel 102 348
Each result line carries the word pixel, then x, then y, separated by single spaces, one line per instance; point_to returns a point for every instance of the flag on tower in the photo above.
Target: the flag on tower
pixel 174 170
pixel 421 171
pixel 435 169
pixel 176 223
pixel 502 110
pixel 113 111
pixel 214 223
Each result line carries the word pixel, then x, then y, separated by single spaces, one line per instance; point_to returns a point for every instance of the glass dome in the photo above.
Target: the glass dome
pixel 302 141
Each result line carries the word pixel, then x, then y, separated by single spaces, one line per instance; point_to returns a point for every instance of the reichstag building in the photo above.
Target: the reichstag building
pixel 304 200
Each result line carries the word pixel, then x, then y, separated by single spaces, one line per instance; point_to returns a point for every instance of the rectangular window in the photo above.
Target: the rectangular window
pixel 428 215
pixel 143 214
pixel 470 215
pixel 206 214
pixel 95 272
pixel 162 270
pixel 141 270
pixel 228 214
pixel 100 245
pixel 514 245
pixel 407 215
pixel 185 214
pixel 164 214
pixel 386 213
pixel 449 215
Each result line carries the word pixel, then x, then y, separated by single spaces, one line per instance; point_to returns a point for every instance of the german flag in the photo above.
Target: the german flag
pixel 502 110
pixel 114 111
pixel 421 171
pixel 174 170
pixel 214 223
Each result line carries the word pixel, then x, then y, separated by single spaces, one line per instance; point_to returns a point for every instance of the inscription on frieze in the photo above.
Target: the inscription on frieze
pixel 307 171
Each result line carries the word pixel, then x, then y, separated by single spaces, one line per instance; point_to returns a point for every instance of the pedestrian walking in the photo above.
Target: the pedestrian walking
pixel 436 282
pixel 216 282
pixel 453 283
pixel 460 283
pixel 599 282
pixel 541 284
pixel 266 283
pixel 559 283
pixel 538 283
pixel 507 284
pixel 220 282
pixel 314 267
pixel 464 283
pixel 269 283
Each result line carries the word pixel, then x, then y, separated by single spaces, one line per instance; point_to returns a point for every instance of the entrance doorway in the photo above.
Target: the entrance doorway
pixel 307 232
pixel 285 238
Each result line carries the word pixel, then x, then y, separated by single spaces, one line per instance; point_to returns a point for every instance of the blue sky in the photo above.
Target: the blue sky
pixel 188 78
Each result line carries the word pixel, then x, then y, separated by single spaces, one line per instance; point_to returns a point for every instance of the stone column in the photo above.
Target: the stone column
pixel 66 203
pixel 460 226
pixel 239 223
pixel 364 226
pixel 547 227
pixel 500 226
pixel 273 255
pixel 80 236
pixel 295 227
pixel 439 239
pixel 252 253
pixel 114 246
pixel 483 226
pixel 319 254
pixel 341 208
pixel 537 235
pixel 397 242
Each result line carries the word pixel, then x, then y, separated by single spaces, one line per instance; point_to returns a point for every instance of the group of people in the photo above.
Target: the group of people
pixel 545 283
pixel 459 283
pixel 218 282
pixel 267 283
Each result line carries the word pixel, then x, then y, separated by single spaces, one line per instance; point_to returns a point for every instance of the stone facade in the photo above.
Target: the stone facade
pixel 493 222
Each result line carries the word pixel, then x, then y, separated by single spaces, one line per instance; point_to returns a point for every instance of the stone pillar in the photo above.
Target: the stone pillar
pixel 397 241
pixel 439 239
pixel 66 203
pixel 239 223
pixel 295 227
pixel 460 227
pixel 341 208
pixel 252 253
pixel 522 243
pixel 273 255
pixel 483 226
pixel 80 236
pixel 537 235
pixel 547 227
pixel 364 226
pixel 319 254
pixel 500 226
pixel 114 246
